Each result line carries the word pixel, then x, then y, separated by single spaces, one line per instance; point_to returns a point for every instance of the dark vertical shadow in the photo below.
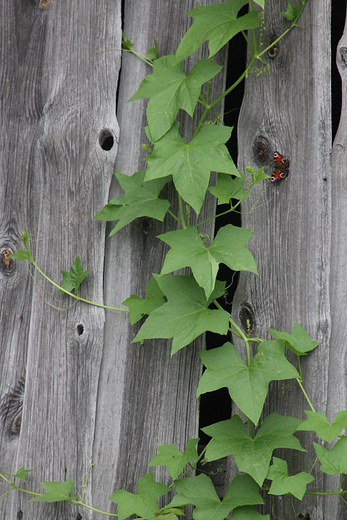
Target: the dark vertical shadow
pixel 338 14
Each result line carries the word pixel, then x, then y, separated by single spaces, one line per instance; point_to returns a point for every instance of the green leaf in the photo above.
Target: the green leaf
pixel 292 11
pixel 56 492
pixel 335 460
pixel 247 385
pixel 217 23
pixel 190 164
pixel 252 456
pixel 318 423
pixel 21 255
pixel 169 89
pixel 174 460
pixel 200 492
pixel 22 473
pixel 186 315
pixel 259 176
pixel 298 341
pixel 248 513
pixel 283 484
pixel 260 2
pixel 153 52
pixel 228 188
pixel 139 200
pixel 72 280
pixel 126 44
pixel 189 250
pixel 144 503
pixel 139 307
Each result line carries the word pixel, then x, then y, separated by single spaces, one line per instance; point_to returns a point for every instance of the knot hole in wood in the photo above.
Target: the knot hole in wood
pixel 80 329
pixel 262 151
pixel 106 139
pixel 7 264
pixel 272 53
pixel 247 317
pixel 146 226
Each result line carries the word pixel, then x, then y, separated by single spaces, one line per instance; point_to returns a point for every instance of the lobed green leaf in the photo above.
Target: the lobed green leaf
pixel 140 307
pixel 56 492
pixel 319 423
pixel 217 23
pixel 252 455
pixel 298 341
pixel 73 279
pixel 175 461
pixel 191 164
pixel 333 461
pixel 283 484
pixel 140 199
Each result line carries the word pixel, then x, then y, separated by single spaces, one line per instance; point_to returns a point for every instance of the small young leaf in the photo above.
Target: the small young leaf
pixel 72 280
pixel 153 52
pixel 252 455
pixel 21 255
pixel 228 188
pixel 22 473
pixel 298 341
pixel 247 385
pixel 139 200
pixel 144 503
pixel 140 307
pixel 188 250
pixel 291 12
pixel 200 492
pixel 126 44
pixel 282 484
pixel 169 90
pixel 335 460
pixel 56 492
pixel 175 461
pixel 259 176
pixel 318 423
pixel 217 23
pixel 186 315
pixel 190 164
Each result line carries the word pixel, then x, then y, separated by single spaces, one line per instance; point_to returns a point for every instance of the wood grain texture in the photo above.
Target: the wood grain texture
pixel 337 388
pixel 58 90
pixel 90 395
pixel 148 398
pixel 288 110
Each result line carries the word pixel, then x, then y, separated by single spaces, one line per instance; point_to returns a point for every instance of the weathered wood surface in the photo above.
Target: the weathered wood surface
pixel 289 110
pixel 337 386
pixel 90 396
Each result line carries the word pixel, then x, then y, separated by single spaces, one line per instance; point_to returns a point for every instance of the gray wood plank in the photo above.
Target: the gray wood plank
pixel 59 87
pixel 289 110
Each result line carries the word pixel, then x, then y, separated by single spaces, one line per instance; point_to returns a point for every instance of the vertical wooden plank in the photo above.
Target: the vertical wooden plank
pixel 289 110
pixel 337 388
pixel 146 397
pixel 59 87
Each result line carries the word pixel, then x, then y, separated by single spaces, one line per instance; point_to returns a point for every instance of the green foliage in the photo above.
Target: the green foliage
pixel 72 280
pixel 183 307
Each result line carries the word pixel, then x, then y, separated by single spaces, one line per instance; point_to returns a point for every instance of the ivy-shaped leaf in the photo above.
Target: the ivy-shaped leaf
pixel 56 492
pixel 292 11
pixel 21 255
pixel 252 455
pixel 335 460
pixel 318 423
pixel 188 250
pixel 283 484
pixel 298 341
pixel 191 164
pixel 140 307
pixel 186 315
pixel 175 461
pixel 217 23
pixel 153 52
pixel 139 200
pixel 144 503
pixel 169 89
pixel 228 188
pixel 200 492
pixel 247 385
pixel 21 474
pixel 72 280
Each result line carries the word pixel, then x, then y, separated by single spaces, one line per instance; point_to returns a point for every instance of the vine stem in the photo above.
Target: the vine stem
pixel 305 394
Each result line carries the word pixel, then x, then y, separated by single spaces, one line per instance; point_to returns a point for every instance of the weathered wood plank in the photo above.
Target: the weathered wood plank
pixel 157 403
pixel 59 91
pixel 289 110
pixel 337 388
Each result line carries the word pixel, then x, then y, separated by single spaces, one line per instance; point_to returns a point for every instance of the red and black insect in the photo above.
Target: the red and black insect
pixel 281 168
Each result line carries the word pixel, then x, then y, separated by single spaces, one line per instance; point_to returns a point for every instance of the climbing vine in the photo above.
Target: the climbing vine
pixel 181 308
